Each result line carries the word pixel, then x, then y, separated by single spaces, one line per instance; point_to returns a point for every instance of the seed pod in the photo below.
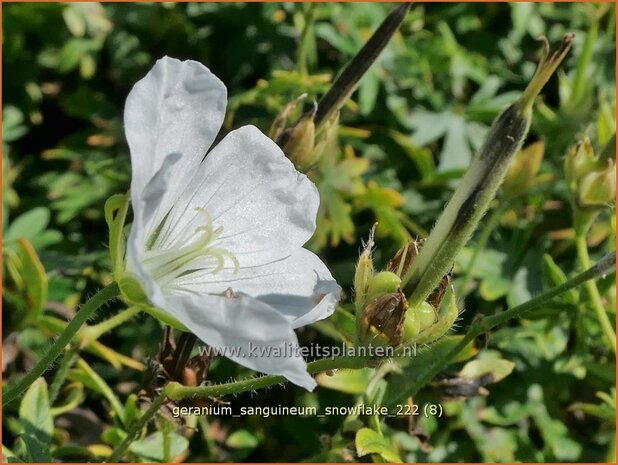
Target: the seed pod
pixel 383 319
pixel 436 297
pixel 382 283
pixel 417 320
pixel 446 317
pixel 479 185
pixel 402 260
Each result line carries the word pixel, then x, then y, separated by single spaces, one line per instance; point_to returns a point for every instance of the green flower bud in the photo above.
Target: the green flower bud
pixel 591 179
pixel 364 273
pixel 598 188
pixel 325 134
pixel 580 161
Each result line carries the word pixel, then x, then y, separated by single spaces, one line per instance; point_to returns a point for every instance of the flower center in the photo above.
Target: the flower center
pixel 198 253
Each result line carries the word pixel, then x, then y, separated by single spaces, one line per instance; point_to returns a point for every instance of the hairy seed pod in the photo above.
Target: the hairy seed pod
pixel 417 320
pixel 447 314
pixel 479 185
pixel 383 319
pixel 404 257
pixel 382 283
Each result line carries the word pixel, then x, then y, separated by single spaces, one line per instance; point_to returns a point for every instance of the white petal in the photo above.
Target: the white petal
pixel 248 187
pixel 300 286
pixel 235 326
pixel 177 108
pixel 144 208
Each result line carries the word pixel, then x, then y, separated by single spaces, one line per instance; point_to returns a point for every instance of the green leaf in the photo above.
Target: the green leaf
pixel 497 367
pixel 424 358
pixel 72 399
pixel 12 124
pixel 34 413
pixel 554 276
pixel 492 289
pixel 369 442
pixel 555 433
pixel 28 224
pixel 348 381
pixel 113 436
pixel 131 410
pixel 152 447
pixel 456 153
pixel 75 22
pixel 242 439
pixel 341 325
pixel 35 451
pixel 368 91
pixel 34 278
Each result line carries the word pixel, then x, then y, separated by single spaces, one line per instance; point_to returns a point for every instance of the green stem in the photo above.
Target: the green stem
pixel 308 16
pixel 582 71
pixel 63 370
pixel 176 391
pixel 103 296
pixel 483 324
pixel 595 297
pixel 136 428
pixel 94 332
pixel 103 388
pixel 486 232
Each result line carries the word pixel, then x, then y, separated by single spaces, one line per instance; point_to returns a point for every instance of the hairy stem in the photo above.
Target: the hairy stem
pixel 66 363
pixel 136 428
pixel 88 309
pixel 305 35
pixel 483 324
pixel 103 388
pixel 595 297
pixel 94 332
pixel 176 391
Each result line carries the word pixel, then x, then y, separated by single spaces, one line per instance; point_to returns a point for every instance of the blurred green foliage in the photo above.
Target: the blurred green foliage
pixel 405 139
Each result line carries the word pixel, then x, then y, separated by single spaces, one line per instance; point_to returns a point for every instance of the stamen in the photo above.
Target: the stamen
pixel 168 265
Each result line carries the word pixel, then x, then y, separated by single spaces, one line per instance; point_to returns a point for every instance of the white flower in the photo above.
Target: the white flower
pixel 236 219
